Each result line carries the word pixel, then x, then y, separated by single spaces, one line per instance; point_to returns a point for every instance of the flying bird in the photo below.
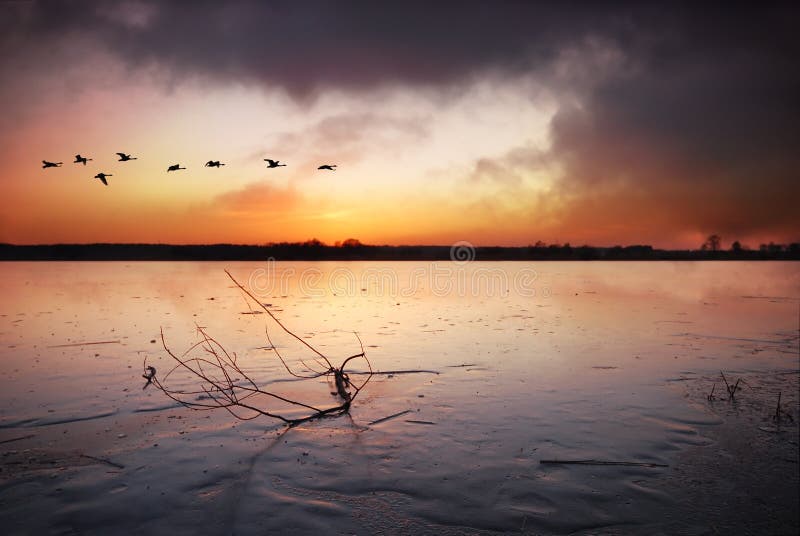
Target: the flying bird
pixel 102 177
pixel 329 167
pixel 214 163
pixel 125 157
pixel 273 163
pixel 46 164
pixel 174 167
pixel 81 159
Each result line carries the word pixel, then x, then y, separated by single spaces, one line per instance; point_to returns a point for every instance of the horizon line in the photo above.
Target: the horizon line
pixel 358 244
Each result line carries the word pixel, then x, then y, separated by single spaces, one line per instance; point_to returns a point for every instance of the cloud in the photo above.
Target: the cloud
pixel 711 143
pixel 351 136
pixel 309 46
pixel 304 46
pixel 512 168
pixel 692 129
pixel 259 198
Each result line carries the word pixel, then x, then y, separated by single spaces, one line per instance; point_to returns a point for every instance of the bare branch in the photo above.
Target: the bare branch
pixel 223 384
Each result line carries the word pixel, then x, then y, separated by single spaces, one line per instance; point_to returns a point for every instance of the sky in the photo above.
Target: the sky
pixel 496 123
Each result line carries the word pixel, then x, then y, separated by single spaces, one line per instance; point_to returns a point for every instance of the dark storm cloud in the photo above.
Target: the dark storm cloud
pixel 303 46
pixel 307 45
pixel 702 125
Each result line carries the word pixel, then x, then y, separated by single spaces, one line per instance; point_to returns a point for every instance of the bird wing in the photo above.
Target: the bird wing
pixel 103 180
pixel 122 155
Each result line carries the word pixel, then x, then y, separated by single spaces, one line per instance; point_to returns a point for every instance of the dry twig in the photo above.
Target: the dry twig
pixel 731 388
pixel 780 413
pixel 224 384
pixel 83 344
pixel 390 417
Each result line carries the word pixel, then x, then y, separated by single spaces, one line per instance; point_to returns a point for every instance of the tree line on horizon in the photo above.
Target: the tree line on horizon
pixel 354 249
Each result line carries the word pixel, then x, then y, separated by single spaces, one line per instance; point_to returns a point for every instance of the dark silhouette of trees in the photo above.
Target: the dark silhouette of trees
pixel 314 243
pixel 353 249
pixel 712 243
pixel 771 249
pixel 352 243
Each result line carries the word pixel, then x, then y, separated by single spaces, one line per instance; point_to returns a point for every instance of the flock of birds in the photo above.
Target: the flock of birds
pixel 123 157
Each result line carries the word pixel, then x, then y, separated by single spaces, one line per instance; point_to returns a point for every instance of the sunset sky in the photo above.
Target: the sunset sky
pixel 499 123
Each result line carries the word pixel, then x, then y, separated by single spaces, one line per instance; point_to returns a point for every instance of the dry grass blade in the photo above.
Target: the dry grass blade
pixel 601 462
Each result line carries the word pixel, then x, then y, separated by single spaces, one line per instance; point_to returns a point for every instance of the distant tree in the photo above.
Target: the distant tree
pixel 352 243
pixel 712 243
pixel 539 244
pixel 736 247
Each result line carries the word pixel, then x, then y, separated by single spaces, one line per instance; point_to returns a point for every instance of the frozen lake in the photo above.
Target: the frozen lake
pixel 517 363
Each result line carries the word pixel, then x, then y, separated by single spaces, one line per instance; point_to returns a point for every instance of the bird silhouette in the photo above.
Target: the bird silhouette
pixel 125 157
pixel 329 167
pixel 81 159
pixel 46 164
pixel 213 163
pixel 102 177
pixel 174 167
pixel 273 163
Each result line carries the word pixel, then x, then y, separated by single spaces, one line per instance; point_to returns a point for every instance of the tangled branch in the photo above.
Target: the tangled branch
pixel 223 383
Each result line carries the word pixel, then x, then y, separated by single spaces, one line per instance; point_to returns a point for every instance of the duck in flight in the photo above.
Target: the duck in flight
pixel 273 163
pixel 174 167
pixel 329 167
pixel 46 164
pixel 81 159
pixel 125 157
pixel 102 177
pixel 214 163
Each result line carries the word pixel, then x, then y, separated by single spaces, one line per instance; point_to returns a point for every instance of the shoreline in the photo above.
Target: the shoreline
pixel 461 253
